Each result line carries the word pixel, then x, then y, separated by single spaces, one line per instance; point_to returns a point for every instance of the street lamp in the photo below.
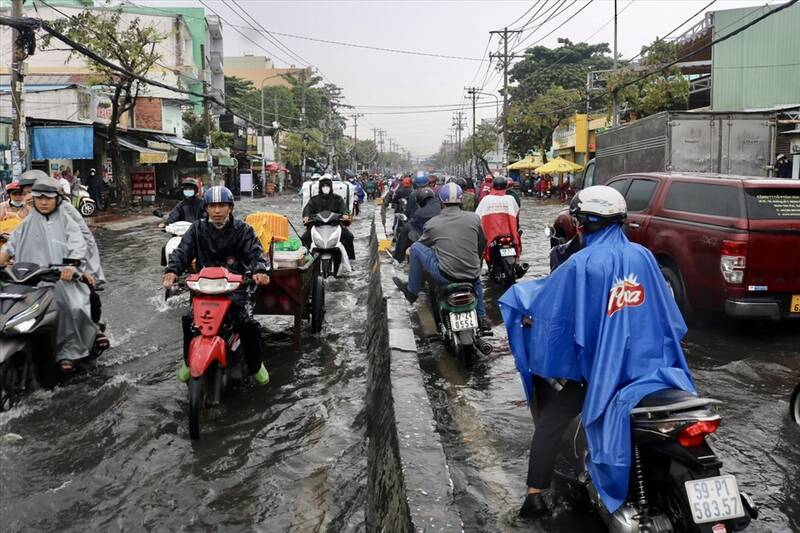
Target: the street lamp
pixel 263 143
pixel 500 133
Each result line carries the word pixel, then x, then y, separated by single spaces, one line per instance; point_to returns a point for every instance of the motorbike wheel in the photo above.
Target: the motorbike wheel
pixel 14 377
pixel 794 405
pixel 466 354
pixel 197 393
pixel 317 305
pixel 87 209
pixel 509 278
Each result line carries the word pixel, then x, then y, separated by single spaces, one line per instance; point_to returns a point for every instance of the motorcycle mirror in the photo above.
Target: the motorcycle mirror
pixel 549 232
pixel 157 213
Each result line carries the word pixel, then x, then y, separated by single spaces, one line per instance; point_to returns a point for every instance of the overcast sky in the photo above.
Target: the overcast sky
pixel 377 78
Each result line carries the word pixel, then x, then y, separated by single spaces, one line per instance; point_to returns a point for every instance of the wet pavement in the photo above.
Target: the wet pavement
pixel 486 427
pixel 110 449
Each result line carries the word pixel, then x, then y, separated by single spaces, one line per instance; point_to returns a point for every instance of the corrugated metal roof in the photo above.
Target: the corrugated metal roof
pixel 760 67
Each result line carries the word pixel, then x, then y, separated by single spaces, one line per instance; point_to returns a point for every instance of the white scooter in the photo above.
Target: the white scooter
pixel 83 201
pixel 177 230
pixel 326 234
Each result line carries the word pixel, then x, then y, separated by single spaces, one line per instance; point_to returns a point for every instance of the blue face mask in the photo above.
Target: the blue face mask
pixel 189 193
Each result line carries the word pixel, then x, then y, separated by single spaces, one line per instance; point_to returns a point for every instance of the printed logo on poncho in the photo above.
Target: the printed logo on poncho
pixel 626 292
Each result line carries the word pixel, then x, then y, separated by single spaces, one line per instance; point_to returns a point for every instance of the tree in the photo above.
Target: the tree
pixel 531 125
pixel 485 140
pixel 130 45
pixel 195 130
pixel 668 89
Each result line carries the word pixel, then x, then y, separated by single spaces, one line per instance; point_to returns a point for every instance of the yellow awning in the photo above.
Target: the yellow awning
pixel 530 162
pixel 558 165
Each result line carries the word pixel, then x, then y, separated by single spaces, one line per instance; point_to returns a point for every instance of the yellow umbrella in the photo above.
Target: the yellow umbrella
pixel 558 165
pixel 529 163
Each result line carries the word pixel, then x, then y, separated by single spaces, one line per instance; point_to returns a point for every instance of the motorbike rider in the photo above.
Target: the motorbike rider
pixel 15 206
pixel 222 240
pixel 605 326
pixel 499 214
pixel 327 200
pixel 50 236
pixel 427 207
pixel 190 208
pixel 449 251
pixel 511 192
pixel 468 200
pixel 420 183
pixel 485 187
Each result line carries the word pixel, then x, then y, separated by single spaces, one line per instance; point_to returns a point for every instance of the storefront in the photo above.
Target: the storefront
pixel 56 148
pixel 574 138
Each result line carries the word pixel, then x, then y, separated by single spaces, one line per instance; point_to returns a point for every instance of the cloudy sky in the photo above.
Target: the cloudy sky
pixel 373 78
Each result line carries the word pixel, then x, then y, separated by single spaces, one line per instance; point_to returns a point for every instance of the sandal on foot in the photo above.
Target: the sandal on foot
pixel 101 342
pixel 66 366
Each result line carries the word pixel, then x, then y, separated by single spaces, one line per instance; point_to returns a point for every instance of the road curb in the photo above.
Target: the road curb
pixel 409 483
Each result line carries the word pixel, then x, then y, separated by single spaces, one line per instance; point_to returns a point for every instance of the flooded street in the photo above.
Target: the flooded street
pixel 110 450
pixel 486 427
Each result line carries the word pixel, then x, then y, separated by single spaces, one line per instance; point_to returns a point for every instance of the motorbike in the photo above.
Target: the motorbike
pixel 503 268
pixel 400 217
pixel 215 356
pixel 676 484
pixel 356 209
pixel 83 201
pixel 28 322
pixel 177 230
pixel 454 310
pixel 794 405
pixel 326 233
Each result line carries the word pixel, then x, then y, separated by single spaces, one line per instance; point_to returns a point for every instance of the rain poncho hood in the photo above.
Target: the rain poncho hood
pixel 51 239
pixel 605 317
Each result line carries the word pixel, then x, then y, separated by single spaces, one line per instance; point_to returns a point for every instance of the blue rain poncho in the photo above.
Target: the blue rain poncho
pixel 605 316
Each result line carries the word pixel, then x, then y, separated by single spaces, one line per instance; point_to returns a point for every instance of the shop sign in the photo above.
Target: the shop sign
pixel 564 136
pixel 102 110
pixel 143 181
pixel 147 114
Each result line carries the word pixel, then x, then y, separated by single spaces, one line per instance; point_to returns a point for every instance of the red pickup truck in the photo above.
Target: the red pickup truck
pixel 725 243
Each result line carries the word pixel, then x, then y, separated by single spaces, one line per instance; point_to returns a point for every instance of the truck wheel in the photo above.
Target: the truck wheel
pixel 678 291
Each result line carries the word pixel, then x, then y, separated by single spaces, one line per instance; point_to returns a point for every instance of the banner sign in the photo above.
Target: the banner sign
pixel 143 181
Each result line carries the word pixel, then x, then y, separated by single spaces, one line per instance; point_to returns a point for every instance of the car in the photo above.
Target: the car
pixel 725 243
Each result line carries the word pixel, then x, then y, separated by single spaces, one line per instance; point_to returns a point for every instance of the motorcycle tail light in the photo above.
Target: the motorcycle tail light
pixel 733 260
pixel 694 434
pixel 212 285
pixel 505 240
pixel 461 298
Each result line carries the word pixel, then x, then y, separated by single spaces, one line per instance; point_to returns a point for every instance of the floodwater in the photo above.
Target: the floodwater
pixel 110 449
pixel 486 426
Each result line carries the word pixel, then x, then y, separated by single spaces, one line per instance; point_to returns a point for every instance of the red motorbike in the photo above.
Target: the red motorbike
pixel 214 354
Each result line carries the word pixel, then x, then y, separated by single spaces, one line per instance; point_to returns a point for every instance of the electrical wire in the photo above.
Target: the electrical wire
pixel 522 42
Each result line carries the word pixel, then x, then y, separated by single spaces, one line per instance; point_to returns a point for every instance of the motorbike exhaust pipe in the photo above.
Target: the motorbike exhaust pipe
pixel 484 347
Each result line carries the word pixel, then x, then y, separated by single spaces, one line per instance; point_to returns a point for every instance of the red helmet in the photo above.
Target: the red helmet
pixel 13 186
pixel 406 182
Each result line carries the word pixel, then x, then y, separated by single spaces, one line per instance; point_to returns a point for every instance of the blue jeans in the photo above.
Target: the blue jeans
pixel 423 259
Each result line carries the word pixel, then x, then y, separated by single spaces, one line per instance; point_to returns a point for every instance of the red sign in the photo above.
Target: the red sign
pixel 143 181
pixel 147 114
pixel 627 292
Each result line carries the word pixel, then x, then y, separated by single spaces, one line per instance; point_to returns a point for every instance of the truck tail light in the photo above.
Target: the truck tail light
pixel 733 261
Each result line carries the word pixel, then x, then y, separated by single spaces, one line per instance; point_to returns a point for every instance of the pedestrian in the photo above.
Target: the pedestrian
pixel 783 167
pixel 95 186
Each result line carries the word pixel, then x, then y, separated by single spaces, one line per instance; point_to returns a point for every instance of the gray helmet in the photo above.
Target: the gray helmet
pixel 29 177
pixel 46 186
pixel 188 182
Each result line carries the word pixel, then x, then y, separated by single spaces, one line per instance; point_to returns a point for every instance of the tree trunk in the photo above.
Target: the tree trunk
pixel 118 168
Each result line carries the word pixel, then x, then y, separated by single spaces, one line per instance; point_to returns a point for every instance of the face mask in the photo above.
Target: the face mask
pixel 326 190
pixel 189 193
pixel 16 203
pixel 219 226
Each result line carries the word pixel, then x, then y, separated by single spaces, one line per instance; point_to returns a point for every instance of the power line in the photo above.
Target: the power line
pixel 522 42
pixel 523 15
pixel 648 48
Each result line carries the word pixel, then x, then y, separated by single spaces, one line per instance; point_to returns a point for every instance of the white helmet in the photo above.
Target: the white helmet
pixel 315 177
pixel 598 206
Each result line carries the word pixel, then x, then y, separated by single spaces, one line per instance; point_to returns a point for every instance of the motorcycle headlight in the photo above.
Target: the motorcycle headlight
pixel 212 285
pixel 24 327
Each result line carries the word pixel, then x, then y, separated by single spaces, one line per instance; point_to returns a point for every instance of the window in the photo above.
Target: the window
pixel 705 199
pixel 620 186
pixel 639 194
pixel 774 203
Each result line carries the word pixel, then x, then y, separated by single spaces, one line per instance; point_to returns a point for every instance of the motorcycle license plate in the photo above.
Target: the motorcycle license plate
pixel 794 306
pixel 462 321
pixel 714 499
pixel 507 252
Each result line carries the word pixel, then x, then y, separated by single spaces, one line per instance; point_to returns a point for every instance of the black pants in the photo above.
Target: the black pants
pixel 95 307
pixel 553 412
pixel 249 334
pixel 348 241
pixel 406 236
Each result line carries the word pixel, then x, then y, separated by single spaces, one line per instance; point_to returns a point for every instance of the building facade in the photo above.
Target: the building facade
pixel 260 70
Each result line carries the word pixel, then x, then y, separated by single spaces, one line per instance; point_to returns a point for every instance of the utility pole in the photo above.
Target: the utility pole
pixel 19 135
pixel 303 124
pixel 206 116
pixel 381 133
pixel 355 117
pixel 277 129
pixel 615 104
pixel 458 123
pixel 505 60
pixel 473 92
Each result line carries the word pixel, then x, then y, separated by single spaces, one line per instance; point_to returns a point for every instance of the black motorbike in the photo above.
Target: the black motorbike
pixel 28 325
pixel 503 267
pixel 400 217
pixel 454 311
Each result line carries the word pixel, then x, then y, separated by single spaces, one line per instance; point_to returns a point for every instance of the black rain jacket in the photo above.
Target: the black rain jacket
pixel 325 202
pixel 234 247
pixel 188 210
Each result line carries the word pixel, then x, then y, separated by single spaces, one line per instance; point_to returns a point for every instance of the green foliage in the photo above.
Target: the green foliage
pixel 195 130
pixel 666 90
pixel 531 125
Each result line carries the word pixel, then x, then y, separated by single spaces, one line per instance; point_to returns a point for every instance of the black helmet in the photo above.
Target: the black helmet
pixel 189 182
pixel 424 195
pixel 499 183
pixel 461 182
pixel 325 180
